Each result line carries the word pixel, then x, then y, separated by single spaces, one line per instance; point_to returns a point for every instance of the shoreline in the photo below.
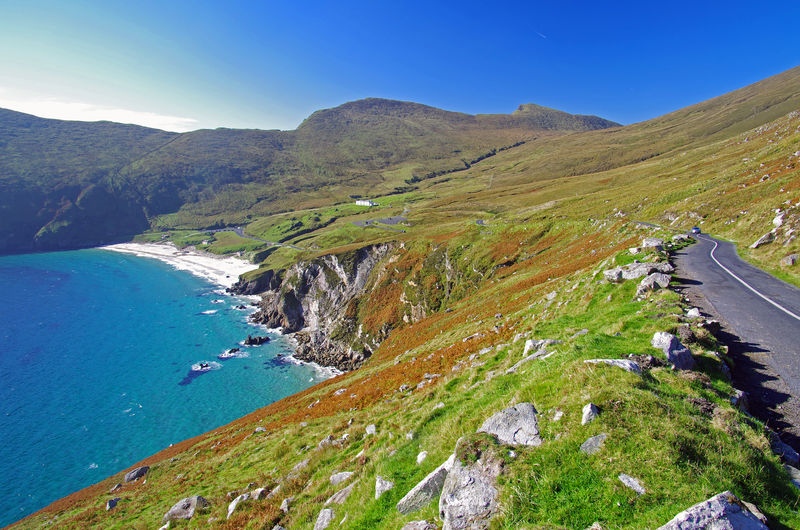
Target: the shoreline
pixel 223 271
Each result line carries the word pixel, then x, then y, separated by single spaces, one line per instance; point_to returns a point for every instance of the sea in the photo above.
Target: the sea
pixel 96 356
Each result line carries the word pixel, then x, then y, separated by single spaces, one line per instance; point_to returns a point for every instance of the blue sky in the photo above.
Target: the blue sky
pixel 182 65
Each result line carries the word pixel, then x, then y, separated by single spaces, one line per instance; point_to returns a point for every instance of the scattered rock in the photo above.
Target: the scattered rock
pixel 186 508
pixel 740 400
pixel 767 238
pixel 255 341
pixel 338 478
pixel 235 502
pixel 421 457
pixel 590 412
pixel 469 494
pixel 625 364
pixel 258 494
pixel 324 519
pixel 653 242
pixel 678 355
pixel 260 429
pixel 632 483
pixel 340 496
pixel 653 282
pixel 515 425
pixel 116 488
pixel 382 486
pixel 371 429
pixel 112 503
pixel 636 270
pixel 557 415
pixel 427 489
pixel 784 450
pixel 593 444
pixel 287 502
pixel 794 474
pixel 693 313
pixel 790 260
pixel 136 474
pixel 419 525
pixel 723 511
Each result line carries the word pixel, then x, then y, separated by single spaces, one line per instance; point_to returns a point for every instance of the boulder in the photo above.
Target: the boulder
pixel 515 425
pixel 653 242
pixel 693 312
pixel 235 502
pixel 678 355
pixel 382 486
pixel 186 508
pixel 767 238
pixel 324 519
pixel 636 270
pixel 338 478
pixel 784 450
pixel 340 496
pixel 419 525
pixel 594 444
pixel 723 511
pixel 632 483
pixel 653 282
pixel 258 494
pixel 286 503
pixel 421 457
pixel 426 489
pixel 112 503
pixel 590 412
pixel 790 260
pixel 794 475
pixel 625 364
pixel 136 474
pixel 469 494
pixel 371 429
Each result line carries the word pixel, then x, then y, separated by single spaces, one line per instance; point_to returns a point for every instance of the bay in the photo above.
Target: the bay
pixel 96 350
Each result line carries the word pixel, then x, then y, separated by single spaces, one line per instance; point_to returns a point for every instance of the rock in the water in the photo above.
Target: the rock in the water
pixel 515 425
pixel 186 508
pixel 112 503
pixel 593 444
pixel 338 478
pixel 632 483
pixel 235 502
pixel 590 412
pixel 136 474
pixel 340 496
pixel 678 355
pixel 723 512
pixel 469 495
pixel 419 525
pixel 625 364
pixel 653 282
pixel 382 486
pixel 427 489
pixel 324 519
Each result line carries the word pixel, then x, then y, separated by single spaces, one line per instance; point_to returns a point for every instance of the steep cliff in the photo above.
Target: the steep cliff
pixel 315 302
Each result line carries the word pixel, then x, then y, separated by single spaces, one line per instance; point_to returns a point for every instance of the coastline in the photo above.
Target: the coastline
pixel 220 270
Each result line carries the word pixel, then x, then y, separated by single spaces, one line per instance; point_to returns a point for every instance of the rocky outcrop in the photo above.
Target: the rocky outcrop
pixel 636 270
pixel 136 474
pixel 469 495
pixel 426 490
pixel 515 425
pixel 311 300
pixel 720 511
pixel 678 355
pixel 186 508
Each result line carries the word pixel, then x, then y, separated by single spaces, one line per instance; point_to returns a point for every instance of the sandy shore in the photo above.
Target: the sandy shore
pixel 223 271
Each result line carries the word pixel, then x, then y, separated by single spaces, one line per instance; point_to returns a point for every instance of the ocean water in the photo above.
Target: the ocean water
pixel 96 350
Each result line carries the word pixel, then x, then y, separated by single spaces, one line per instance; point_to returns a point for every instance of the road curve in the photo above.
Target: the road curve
pixel 761 315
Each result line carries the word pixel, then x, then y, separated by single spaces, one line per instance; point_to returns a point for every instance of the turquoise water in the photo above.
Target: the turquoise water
pixel 96 349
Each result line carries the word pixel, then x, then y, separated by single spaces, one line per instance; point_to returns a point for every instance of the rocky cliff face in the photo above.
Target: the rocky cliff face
pixel 317 303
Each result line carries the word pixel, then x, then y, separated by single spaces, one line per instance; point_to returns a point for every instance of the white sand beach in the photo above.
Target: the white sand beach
pixel 223 271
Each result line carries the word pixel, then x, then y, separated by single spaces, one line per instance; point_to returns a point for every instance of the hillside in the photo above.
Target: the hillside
pixel 61 181
pixel 477 290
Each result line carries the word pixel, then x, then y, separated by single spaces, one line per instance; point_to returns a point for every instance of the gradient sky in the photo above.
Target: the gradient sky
pixel 183 65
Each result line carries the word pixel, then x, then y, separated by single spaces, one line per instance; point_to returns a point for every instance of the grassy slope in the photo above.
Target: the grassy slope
pixel 539 251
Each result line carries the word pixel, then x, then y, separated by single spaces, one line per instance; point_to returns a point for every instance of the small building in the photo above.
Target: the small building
pixel 365 202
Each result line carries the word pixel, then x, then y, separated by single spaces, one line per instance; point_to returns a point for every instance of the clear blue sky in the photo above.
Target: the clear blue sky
pixel 265 64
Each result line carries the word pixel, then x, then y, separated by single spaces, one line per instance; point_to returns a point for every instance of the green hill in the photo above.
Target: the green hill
pixel 445 295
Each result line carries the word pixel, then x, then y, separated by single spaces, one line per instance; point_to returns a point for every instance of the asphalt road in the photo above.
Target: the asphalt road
pixel 761 324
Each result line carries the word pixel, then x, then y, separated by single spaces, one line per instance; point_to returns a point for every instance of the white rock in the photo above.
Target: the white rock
pixel 632 483
pixel 421 457
pixel 515 425
pixel 382 486
pixel 324 519
pixel 723 511
pixel 235 502
pixel 338 478
pixel 590 412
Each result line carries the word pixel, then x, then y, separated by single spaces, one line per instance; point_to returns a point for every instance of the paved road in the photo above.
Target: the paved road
pixel 761 317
